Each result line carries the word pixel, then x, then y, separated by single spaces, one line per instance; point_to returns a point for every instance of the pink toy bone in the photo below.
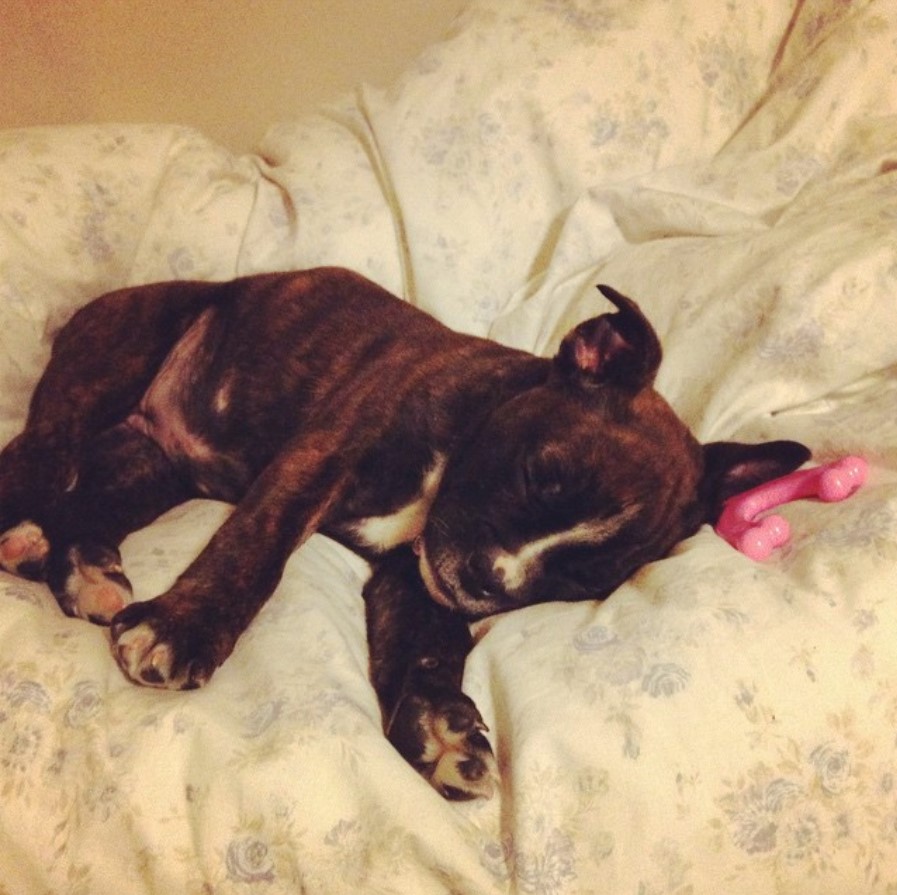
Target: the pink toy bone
pixel 740 525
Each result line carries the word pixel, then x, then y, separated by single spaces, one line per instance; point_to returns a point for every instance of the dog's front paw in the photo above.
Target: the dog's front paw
pixel 160 648
pixel 439 731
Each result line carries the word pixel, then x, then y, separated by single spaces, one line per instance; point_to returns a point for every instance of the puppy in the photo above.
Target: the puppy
pixel 476 478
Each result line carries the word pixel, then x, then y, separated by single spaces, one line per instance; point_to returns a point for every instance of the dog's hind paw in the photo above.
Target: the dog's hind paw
pixel 157 649
pixel 24 551
pixel 89 582
pixel 440 732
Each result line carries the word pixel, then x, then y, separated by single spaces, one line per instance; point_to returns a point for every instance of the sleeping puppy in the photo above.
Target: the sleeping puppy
pixel 476 478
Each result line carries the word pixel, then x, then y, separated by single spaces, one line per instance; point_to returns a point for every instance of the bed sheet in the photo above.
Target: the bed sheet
pixel 717 724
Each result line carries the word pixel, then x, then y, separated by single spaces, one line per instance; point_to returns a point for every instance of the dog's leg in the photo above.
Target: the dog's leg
pixel 178 639
pixel 124 482
pixel 102 362
pixel 417 651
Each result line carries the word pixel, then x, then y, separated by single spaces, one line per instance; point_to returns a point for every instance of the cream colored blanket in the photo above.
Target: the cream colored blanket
pixel 717 725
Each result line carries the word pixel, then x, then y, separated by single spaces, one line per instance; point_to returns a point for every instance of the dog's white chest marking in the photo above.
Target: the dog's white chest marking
pixel 513 568
pixel 406 523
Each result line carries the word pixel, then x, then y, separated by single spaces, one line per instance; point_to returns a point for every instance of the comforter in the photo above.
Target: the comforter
pixel 718 724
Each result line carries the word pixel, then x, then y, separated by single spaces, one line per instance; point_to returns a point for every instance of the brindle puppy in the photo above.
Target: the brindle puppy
pixel 316 401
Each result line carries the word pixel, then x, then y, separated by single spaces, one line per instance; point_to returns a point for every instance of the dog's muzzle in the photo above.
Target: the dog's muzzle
pixel 447 586
pixel 433 583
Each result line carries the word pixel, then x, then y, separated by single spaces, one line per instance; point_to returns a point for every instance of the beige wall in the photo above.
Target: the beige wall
pixel 229 67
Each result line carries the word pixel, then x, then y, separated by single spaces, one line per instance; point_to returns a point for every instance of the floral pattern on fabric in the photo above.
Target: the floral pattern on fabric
pixel 717 724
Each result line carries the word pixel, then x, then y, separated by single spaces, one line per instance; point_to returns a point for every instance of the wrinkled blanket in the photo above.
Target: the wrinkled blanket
pixel 717 725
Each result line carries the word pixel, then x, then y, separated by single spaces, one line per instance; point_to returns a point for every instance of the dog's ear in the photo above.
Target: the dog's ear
pixel 619 349
pixel 731 467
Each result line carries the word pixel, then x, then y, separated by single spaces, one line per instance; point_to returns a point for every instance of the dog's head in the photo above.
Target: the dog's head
pixel 568 488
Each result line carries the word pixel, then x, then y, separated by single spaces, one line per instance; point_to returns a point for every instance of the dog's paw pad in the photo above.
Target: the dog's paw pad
pixel 24 550
pixel 442 736
pixel 94 586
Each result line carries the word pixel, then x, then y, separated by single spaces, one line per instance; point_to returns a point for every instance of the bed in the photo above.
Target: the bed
pixel 718 724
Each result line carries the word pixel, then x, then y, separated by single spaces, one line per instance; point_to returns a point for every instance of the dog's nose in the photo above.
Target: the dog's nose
pixel 481 580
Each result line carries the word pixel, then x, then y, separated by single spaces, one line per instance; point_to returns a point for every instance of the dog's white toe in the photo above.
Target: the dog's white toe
pixel 143 658
pixel 464 765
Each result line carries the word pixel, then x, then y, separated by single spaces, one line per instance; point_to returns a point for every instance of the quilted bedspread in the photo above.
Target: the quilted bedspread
pixel 718 724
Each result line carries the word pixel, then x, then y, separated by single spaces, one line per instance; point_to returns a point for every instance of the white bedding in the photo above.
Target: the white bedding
pixel 717 725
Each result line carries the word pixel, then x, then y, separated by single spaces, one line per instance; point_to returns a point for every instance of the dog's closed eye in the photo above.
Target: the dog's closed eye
pixel 543 479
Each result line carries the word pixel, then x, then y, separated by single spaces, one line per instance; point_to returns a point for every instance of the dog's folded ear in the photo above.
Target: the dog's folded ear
pixel 619 349
pixel 731 467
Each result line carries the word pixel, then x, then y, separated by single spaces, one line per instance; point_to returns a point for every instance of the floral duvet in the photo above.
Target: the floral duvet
pixel 717 725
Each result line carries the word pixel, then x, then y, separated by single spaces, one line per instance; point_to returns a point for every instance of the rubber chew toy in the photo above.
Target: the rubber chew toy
pixel 740 523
